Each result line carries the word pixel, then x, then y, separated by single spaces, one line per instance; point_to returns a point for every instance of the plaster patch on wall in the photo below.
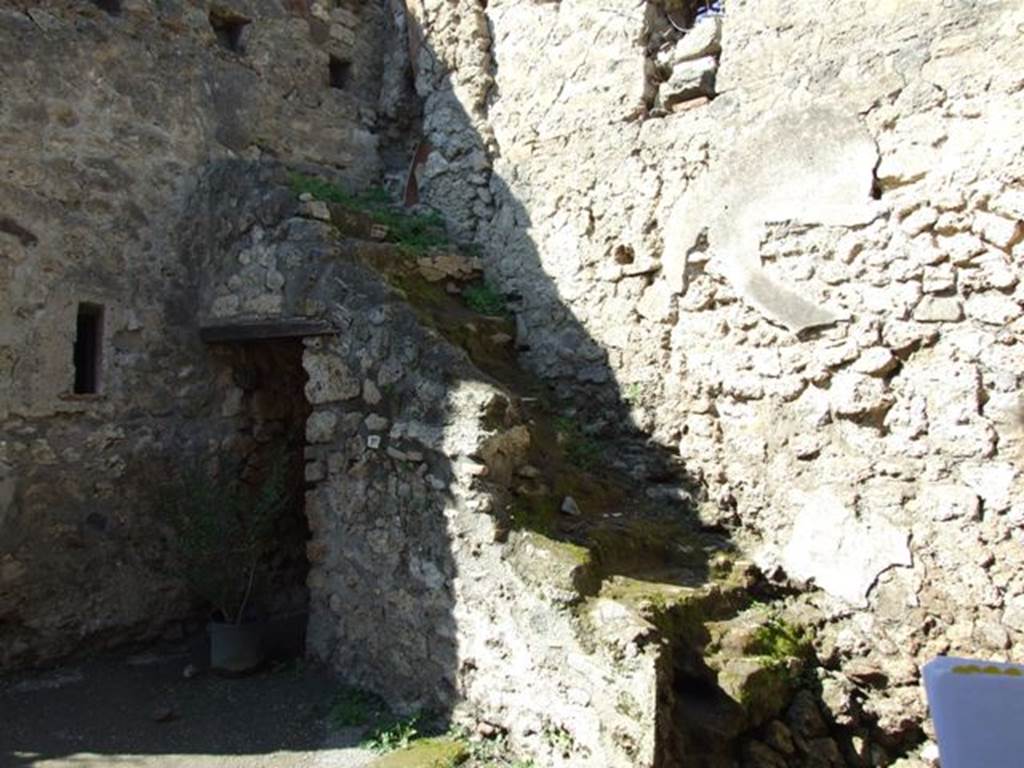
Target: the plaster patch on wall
pixel 811 166
pixel 842 553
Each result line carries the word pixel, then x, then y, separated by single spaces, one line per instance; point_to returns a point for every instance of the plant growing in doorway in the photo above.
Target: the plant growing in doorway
pixel 224 527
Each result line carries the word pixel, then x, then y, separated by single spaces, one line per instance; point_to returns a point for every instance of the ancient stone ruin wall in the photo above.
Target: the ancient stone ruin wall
pixel 106 119
pixel 418 589
pixel 154 199
pixel 809 287
pixel 786 245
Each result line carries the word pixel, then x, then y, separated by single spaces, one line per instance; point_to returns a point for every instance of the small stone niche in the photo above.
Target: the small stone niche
pixel 683 15
pixel 340 73
pixel 88 349
pixel 111 7
pixel 682 42
pixel 229 27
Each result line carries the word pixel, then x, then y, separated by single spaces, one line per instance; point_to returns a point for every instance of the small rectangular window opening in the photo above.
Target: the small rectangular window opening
pixel 341 73
pixel 88 349
pixel 112 7
pixel 229 26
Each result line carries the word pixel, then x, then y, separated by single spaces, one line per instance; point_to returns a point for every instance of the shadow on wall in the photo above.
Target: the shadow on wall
pixel 634 480
pixel 411 439
pixel 417 473
pixel 411 475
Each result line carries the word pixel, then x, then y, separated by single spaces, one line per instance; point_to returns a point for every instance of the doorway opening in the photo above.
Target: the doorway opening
pixel 271 437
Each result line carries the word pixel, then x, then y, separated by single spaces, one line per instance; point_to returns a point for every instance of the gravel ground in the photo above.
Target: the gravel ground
pixel 142 711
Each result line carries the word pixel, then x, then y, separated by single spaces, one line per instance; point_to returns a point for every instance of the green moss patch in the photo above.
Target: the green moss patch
pixel 678 612
pixel 778 640
pixel 437 752
pixel 483 298
pixel 564 551
pixel 760 660
pixel 649 598
pixel 321 189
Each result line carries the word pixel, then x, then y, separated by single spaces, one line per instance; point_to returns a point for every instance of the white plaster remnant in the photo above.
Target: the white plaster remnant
pixel 811 166
pixel 838 551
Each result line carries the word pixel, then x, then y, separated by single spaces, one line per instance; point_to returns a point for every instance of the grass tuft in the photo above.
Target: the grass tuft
pixel 416 233
pixel 392 734
pixel 484 299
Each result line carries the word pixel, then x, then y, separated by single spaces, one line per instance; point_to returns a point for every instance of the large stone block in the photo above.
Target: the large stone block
pixel 839 551
pixel 688 80
pixel 330 379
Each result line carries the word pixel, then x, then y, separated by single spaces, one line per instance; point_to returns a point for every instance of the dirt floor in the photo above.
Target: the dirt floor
pixel 143 711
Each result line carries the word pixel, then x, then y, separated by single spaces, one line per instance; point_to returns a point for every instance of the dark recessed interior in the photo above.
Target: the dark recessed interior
pixel 113 7
pixel 341 73
pixel 88 348
pixel 229 28
pixel 275 409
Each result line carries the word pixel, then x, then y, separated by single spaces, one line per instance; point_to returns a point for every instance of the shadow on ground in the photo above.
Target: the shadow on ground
pixel 142 711
pixel 632 509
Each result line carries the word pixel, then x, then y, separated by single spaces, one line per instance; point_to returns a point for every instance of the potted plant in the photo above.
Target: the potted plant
pixel 224 527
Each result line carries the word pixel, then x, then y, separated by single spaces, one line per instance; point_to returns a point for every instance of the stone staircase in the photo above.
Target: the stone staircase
pixel 480 548
pixel 622 560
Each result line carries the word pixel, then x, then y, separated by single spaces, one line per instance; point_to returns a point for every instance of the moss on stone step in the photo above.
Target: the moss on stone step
pixel 759 658
pixel 679 602
pixel 679 612
pixel 629 545
pixel 359 214
pixel 487 340
pixel 780 640
pixel 436 752
pixel 560 567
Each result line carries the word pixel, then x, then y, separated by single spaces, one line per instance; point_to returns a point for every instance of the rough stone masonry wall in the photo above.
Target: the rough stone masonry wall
pixel 418 590
pixel 810 287
pixel 413 591
pixel 105 119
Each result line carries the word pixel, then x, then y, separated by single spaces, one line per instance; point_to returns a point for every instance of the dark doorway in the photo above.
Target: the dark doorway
pixel 272 430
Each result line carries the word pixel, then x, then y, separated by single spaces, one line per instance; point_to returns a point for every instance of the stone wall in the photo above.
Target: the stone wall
pixel 785 245
pixel 106 120
pixel 419 590
pixel 808 287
